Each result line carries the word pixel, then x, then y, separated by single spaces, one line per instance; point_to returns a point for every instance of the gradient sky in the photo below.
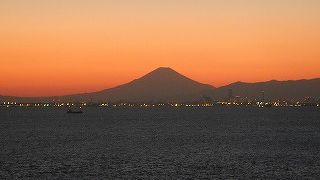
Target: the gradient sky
pixel 56 47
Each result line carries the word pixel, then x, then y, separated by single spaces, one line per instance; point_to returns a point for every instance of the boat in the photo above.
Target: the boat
pixel 70 111
pixel 268 105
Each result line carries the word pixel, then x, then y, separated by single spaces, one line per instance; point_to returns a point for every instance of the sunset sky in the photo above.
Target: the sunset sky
pixel 57 47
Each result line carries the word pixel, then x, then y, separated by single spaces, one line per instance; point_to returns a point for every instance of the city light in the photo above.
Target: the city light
pixel 306 102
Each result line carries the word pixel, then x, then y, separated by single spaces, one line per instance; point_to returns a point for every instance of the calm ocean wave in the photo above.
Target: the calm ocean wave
pixel 160 143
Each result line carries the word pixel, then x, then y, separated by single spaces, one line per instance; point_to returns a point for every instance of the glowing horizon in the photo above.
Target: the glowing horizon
pixel 57 47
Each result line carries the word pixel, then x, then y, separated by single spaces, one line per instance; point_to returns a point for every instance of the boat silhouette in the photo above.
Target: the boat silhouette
pixel 70 111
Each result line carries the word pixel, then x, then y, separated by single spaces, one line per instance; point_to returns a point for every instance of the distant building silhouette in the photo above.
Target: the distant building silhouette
pixel 207 99
pixel 230 94
pixel 262 96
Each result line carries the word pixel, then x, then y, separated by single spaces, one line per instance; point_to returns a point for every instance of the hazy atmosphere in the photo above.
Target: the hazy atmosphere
pixel 160 89
pixel 66 47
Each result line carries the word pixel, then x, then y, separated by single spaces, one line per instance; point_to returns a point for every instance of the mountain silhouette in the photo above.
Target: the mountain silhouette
pixel 166 85
pixel 160 85
pixel 273 90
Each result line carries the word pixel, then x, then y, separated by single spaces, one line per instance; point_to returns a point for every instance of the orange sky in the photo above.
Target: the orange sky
pixel 63 47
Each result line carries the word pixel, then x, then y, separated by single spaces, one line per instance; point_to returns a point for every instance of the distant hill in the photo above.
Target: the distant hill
pixel 166 85
pixel 273 89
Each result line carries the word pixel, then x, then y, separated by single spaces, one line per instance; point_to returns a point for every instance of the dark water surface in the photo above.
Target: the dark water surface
pixel 160 143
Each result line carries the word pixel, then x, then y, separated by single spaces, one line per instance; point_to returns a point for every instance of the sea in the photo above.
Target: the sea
pixel 160 143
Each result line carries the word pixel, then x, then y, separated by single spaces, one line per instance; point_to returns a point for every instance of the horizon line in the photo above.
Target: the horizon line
pixel 94 91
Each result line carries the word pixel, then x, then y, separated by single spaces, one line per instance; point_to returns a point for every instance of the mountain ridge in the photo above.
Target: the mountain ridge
pixel 166 85
pixel 274 89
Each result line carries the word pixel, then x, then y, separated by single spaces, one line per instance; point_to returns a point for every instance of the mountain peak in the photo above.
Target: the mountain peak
pixel 163 73
pixel 164 70
pixel 161 85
